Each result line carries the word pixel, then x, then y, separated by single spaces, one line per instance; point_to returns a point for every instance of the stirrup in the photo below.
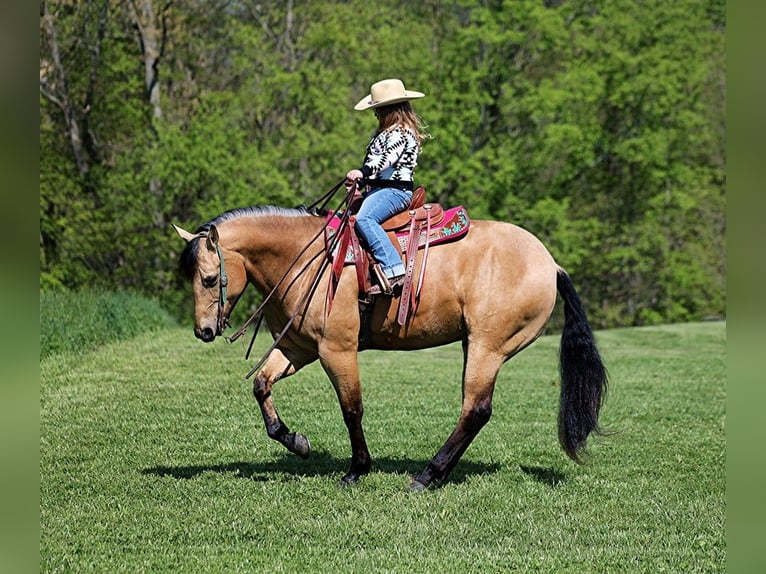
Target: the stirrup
pixel 397 283
pixel 392 287
pixel 385 287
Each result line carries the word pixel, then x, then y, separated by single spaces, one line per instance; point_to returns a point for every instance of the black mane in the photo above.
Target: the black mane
pixel 188 259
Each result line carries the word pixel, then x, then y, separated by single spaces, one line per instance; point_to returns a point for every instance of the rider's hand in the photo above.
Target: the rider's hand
pixel 352 177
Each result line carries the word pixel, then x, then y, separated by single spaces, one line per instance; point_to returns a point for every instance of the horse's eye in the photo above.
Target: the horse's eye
pixel 209 281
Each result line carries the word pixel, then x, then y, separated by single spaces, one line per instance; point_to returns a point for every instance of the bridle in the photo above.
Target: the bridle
pixel 223 282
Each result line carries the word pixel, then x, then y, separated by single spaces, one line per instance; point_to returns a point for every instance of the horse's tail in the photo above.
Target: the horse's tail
pixel 584 378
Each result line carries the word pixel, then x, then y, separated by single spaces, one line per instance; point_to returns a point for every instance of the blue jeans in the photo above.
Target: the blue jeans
pixel 379 205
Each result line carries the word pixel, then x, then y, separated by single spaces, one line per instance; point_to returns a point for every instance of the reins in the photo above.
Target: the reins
pixel 257 316
pixel 325 199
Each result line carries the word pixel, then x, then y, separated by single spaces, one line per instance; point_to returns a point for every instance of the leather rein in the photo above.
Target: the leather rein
pixel 257 316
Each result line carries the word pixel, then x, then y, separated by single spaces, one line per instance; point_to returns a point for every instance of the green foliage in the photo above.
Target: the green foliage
pixel 73 323
pixel 153 457
pixel 599 126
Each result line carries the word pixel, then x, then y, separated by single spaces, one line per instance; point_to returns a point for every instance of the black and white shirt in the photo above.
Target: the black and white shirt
pixel 392 154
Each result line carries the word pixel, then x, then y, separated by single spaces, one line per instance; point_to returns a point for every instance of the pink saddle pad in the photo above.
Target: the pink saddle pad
pixel 454 226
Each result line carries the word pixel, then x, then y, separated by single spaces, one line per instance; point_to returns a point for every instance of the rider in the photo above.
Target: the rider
pixel 386 175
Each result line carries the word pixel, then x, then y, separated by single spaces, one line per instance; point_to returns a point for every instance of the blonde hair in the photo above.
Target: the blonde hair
pixel 401 114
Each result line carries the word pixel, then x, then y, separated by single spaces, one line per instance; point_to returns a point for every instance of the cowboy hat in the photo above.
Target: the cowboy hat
pixel 386 92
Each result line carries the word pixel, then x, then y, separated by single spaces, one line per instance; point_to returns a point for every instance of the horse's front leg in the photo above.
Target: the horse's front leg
pixel 277 367
pixel 343 369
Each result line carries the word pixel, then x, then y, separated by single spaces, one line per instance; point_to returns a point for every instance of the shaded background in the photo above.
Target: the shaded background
pixel 599 126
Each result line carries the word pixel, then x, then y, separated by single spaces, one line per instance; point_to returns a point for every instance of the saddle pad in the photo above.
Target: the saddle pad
pixel 454 226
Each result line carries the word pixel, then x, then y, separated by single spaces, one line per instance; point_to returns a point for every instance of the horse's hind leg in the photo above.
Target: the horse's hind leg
pixel 479 375
pixel 277 367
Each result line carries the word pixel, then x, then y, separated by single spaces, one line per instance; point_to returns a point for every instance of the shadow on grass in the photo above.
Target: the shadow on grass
pixel 320 464
pixel 547 476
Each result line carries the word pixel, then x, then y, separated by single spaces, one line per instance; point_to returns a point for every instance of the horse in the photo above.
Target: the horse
pixel 494 290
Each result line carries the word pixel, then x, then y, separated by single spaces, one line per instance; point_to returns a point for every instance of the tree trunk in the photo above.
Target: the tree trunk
pixel 152 34
pixel 55 88
pixel 151 29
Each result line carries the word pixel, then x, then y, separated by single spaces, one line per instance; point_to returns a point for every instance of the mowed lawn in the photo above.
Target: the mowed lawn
pixel 153 458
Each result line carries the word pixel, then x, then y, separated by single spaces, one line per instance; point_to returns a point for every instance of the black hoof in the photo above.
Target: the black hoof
pixel 348 480
pixel 416 486
pixel 301 445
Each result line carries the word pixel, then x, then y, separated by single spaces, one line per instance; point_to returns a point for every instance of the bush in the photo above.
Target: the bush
pixel 74 322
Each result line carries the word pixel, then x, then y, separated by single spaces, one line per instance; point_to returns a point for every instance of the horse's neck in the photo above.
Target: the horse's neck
pixel 272 245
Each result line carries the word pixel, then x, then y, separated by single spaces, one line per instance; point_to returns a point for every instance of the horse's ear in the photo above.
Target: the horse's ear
pixel 212 238
pixel 185 235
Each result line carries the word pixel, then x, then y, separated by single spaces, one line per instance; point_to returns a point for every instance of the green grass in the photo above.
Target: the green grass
pixel 153 458
pixel 75 322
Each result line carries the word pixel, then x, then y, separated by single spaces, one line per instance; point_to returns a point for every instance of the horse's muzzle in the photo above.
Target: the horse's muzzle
pixel 207 334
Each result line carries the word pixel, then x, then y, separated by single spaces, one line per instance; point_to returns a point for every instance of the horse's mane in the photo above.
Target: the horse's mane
pixel 253 211
pixel 188 258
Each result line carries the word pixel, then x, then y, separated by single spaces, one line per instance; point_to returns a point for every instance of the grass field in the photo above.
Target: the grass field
pixel 153 458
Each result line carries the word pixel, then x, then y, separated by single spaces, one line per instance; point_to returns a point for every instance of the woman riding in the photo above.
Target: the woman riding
pixel 386 176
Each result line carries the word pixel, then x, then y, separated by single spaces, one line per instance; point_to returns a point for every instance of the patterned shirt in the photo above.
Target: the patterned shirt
pixel 392 154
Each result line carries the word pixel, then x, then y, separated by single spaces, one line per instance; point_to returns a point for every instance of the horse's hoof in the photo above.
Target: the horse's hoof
pixel 301 446
pixel 416 486
pixel 349 479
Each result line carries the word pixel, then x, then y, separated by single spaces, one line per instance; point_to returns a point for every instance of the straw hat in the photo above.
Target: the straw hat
pixel 386 92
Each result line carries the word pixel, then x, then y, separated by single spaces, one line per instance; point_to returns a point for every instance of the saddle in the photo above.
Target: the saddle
pixel 418 227
pixel 401 221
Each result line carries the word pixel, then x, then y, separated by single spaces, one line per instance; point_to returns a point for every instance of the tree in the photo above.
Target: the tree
pixel 597 125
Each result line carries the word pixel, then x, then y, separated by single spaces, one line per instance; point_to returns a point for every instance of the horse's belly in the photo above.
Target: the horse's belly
pixel 427 327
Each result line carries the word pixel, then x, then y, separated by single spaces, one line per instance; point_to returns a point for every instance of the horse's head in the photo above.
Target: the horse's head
pixel 217 276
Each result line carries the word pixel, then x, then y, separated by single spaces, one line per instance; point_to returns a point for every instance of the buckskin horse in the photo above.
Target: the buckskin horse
pixel 494 290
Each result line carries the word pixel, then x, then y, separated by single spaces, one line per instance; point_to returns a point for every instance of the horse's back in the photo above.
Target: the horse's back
pixel 499 279
pixel 507 244
pixel 501 264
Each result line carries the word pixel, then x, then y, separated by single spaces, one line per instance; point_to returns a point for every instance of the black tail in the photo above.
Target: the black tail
pixel 583 375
